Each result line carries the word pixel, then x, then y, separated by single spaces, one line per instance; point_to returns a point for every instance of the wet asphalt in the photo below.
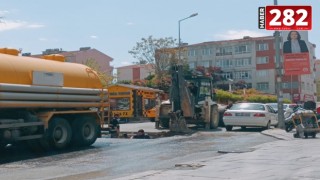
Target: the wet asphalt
pixel 117 157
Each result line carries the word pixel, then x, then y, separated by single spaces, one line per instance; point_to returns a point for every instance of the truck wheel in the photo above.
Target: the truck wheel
pixel 59 133
pixel 2 146
pixel 85 131
pixel 214 119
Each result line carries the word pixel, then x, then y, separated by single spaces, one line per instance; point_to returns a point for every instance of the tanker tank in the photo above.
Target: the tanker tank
pixel 47 82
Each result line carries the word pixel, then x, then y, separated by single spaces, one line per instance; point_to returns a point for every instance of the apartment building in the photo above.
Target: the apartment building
pixel 134 72
pixel 81 56
pixel 317 77
pixel 252 59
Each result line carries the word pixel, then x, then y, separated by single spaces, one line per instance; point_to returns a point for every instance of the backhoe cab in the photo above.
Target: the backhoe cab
pixel 191 102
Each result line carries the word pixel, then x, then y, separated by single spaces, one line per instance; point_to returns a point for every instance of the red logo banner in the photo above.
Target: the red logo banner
pixel 296 64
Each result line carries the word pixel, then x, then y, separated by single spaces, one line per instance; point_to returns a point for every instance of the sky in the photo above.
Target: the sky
pixel 115 26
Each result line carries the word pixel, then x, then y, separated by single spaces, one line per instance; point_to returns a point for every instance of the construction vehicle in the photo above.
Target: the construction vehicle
pixel 48 103
pixel 133 102
pixel 194 106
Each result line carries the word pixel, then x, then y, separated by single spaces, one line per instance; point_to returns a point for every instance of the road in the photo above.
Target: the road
pixel 110 158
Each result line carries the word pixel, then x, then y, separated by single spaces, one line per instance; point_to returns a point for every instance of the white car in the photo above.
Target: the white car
pixel 250 115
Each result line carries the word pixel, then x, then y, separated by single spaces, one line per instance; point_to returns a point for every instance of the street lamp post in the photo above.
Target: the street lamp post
pixel 281 124
pixel 179 46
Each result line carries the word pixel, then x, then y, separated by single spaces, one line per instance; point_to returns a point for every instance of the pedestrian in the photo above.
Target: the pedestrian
pixel 294 44
pixel 114 124
pixel 140 135
pixel 193 89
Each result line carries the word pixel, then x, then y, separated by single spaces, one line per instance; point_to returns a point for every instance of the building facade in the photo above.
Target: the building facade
pixel 134 72
pixel 317 77
pixel 82 56
pixel 253 60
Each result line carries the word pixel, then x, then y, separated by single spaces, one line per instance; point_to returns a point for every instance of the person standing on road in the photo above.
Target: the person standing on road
pixel 114 124
pixel 140 135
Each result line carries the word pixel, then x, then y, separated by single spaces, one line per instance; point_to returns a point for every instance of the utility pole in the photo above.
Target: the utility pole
pixel 179 22
pixel 281 124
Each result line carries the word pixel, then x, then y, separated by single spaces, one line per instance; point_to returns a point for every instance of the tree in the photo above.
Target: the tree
pixel 105 78
pixel 145 50
pixel 160 53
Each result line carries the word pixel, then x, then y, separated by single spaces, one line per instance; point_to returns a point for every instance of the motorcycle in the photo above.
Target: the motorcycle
pixel 289 125
pixel 288 121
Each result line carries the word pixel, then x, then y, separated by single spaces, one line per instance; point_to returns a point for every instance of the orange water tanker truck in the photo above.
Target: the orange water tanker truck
pixel 49 103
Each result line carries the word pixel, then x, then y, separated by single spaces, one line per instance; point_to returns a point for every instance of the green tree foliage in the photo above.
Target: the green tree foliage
pixel 261 98
pixel 251 95
pixel 225 96
pixel 104 77
pixel 161 54
pixel 145 51
pixel 125 82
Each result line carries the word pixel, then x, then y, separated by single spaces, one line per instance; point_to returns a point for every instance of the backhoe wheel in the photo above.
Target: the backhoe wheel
pixel 59 133
pixel 157 124
pixel 85 131
pixel 214 117
pixel 229 128
pixel 165 122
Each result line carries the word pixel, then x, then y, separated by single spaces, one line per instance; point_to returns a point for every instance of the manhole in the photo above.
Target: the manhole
pixel 188 166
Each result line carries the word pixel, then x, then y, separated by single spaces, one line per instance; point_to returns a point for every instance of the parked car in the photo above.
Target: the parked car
pixel 274 106
pixel 285 106
pixel 250 115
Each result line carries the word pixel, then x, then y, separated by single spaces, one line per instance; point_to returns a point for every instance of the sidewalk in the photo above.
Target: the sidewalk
pixel 288 158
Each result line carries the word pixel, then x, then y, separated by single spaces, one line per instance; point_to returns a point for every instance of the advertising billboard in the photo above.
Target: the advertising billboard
pixel 295 52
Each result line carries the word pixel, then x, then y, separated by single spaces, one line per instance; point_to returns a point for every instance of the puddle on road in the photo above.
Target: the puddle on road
pixel 225 151
pixel 153 135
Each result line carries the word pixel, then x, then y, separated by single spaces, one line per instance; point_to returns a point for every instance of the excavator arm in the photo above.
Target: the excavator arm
pixel 180 95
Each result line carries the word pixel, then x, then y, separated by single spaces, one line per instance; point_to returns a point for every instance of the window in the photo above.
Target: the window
pixel 224 63
pixel 285 85
pixel 262 73
pixel 192 52
pixel 120 104
pixel 227 75
pixel 243 62
pixel 206 51
pixel 221 51
pixel 263 60
pixel 205 89
pixel 263 47
pixel 242 49
pixel 263 86
pixel 192 65
pixel 288 85
pixel 149 103
pixel 242 75
pixel 203 63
